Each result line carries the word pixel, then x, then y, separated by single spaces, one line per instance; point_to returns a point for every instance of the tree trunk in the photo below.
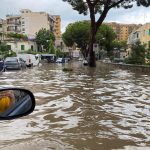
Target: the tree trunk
pixel 91 53
pixel 92 61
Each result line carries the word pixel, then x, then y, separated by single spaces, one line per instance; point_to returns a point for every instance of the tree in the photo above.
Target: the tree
pixel 43 38
pixel 101 7
pixel 17 36
pixel 51 47
pixel 77 33
pixel 5 51
pixel 105 37
pixel 137 54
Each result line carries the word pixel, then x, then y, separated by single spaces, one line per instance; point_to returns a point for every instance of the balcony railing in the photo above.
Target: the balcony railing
pixel 13 30
pixel 14 22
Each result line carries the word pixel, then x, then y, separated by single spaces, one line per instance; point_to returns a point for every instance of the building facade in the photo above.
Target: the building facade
pixel 57 26
pixel 122 30
pixel 22 46
pixel 29 23
pixel 2 30
pixel 142 34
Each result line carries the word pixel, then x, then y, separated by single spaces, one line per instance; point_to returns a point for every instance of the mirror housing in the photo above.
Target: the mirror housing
pixel 15 103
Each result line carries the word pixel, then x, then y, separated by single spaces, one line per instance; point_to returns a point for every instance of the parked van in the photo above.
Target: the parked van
pixel 31 60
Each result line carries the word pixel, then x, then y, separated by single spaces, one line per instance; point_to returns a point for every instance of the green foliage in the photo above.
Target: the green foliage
pixel 51 47
pixel 120 44
pixel 137 54
pixel 79 33
pixel 82 5
pixel 43 37
pixel 17 36
pixel 59 53
pixel 5 52
pixel 105 37
pixel 3 47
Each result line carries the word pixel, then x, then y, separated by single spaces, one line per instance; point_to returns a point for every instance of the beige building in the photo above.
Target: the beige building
pixel 2 29
pixel 122 30
pixel 142 34
pixel 57 26
pixel 13 23
pixel 32 22
pixel 29 23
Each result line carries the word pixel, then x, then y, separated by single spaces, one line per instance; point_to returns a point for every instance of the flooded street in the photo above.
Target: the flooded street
pixel 86 109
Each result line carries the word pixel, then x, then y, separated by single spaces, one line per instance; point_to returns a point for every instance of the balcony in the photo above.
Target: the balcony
pixel 14 22
pixel 13 30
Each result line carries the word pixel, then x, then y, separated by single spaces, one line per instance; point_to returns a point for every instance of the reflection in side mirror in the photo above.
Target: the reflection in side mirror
pixel 15 103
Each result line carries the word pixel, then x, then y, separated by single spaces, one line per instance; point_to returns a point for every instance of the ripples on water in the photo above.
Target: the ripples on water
pixel 85 109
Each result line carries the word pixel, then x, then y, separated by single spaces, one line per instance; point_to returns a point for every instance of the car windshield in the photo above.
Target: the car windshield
pixel 11 59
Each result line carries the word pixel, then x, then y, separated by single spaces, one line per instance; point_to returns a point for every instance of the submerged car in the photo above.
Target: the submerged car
pixel 60 60
pixel 85 62
pixel 30 59
pixel 2 66
pixel 14 63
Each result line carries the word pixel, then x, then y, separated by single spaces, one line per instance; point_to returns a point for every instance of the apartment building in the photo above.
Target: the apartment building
pixel 2 29
pixel 13 23
pixel 29 23
pixel 142 34
pixel 122 30
pixel 57 26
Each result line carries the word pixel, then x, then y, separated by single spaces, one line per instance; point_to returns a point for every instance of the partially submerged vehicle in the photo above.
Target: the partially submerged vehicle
pixel 2 66
pixel 50 58
pixel 30 59
pixel 14 63
pixel 60 60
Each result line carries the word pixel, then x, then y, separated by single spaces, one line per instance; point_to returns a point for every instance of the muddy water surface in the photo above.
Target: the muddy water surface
pixel 86 109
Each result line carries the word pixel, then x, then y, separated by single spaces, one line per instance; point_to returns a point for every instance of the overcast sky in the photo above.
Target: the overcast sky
pixel 58 7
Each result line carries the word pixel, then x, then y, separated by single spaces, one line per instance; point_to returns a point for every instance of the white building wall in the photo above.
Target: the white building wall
pixel 16 46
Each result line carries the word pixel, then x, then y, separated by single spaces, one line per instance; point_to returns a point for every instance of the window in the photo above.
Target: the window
pixel 22 47
pixel 0 25
pixel 23 29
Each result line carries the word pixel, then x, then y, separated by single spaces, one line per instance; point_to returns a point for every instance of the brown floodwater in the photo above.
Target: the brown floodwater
pixel 87 109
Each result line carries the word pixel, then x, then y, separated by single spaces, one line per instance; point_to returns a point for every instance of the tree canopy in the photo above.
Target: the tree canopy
pixel 5 51
pixel 79 33
pixel 17 36
pixel 43 38
pixel 137 54
pixel 102 8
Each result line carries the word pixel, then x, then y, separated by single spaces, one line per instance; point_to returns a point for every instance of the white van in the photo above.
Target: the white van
pixel 31 60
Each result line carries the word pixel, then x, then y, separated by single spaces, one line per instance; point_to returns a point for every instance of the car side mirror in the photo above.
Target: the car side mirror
pixel 15 103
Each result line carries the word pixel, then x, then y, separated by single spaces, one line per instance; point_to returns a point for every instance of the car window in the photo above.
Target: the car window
pixel 10 59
